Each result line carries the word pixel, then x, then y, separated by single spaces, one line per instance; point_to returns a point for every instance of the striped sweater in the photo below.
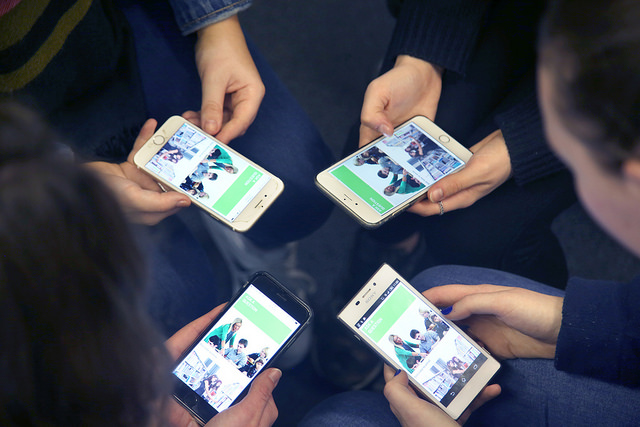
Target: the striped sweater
pixel 74 61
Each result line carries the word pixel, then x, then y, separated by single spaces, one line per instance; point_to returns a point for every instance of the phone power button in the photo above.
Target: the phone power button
pixel 158 139
pixel 444 138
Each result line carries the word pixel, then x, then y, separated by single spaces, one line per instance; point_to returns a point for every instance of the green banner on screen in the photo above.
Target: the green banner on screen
pixel 263 318
pixel 237 190
pixel 362 189
pixel 392 308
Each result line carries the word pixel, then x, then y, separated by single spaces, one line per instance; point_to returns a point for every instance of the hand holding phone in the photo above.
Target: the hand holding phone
pixel 228 186
pixel 409 333
pixel 138 194
pixel 385 177
pixel 262 320
pixel 489 168
pixel 412 410
pixel 512 322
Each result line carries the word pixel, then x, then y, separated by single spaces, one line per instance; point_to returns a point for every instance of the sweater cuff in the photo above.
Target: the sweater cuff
pixel 442 33
pixel 599 336
pixel 521 126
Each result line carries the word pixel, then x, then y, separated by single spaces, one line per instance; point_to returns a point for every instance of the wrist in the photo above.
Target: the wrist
pixel 419 64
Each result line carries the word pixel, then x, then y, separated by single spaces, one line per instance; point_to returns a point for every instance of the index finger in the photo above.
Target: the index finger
pixel 447 295
pixel 242 115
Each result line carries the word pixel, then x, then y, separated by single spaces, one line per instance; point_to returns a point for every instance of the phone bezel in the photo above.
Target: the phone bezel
pixel 361 211
pixel 279 294
pixel 254 209
pixel 367 295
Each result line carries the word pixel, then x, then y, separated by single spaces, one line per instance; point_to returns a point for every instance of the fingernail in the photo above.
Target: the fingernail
pixel 275 375
pixel 397 372
pixel 182 203
pixel 210 125
pixel 447 310
pixel 385 130
pixel 436 195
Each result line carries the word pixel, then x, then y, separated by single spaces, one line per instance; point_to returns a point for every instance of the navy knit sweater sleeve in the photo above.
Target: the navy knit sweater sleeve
pixel 600 332
pixel 445 33
pixel 440 32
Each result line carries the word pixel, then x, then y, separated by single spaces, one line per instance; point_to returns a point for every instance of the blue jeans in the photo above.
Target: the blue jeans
pixel 534 393
pixel 187 279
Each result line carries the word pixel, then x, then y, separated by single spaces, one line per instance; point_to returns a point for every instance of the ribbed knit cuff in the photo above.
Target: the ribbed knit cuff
pixel 531 157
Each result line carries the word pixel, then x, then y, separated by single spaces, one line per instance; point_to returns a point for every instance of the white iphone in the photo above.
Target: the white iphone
pixel 386 176
pixel 408 332
pixel 218 179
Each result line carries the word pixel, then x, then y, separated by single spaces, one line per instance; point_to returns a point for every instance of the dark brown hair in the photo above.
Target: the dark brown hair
pixel 78 347
pixel 592 48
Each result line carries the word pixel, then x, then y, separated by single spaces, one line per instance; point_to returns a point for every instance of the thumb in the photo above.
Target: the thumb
pixel 146 132
pixel 213 93
pixel 262 387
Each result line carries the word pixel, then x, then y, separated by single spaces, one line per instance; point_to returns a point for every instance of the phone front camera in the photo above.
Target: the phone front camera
pixel 357 302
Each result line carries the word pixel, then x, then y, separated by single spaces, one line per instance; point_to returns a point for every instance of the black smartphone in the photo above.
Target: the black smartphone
pixel 261 321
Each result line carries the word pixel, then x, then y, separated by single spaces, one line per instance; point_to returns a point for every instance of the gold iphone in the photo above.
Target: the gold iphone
pixel 218 179
pixel 388 175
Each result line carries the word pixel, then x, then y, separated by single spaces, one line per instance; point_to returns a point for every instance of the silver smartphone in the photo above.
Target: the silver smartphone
pixel 257 325
pixel 388 175
pixel 408 332
pixel 218 179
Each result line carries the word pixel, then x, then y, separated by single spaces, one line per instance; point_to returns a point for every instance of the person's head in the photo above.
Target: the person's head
pixel 416 335
pixel 589 90
pixel 231 169
pixel 358 161
pixel 383 173
pixel 242 345
pixel 264 353
pixel 395 339
pixel 259 363
pixel 236 325
pixel 431 327
pixel 211 175
pixel 424 312
pixel 390 190
pixel 78 347
pixel 435 318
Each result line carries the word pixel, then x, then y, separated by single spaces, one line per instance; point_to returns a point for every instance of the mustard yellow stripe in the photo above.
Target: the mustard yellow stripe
pixel 21 77
pixel 19 21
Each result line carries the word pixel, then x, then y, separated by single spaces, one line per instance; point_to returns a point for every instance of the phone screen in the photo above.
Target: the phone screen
pixel 393 169
pixel 223 363
pixel 401 325
pixel 208 171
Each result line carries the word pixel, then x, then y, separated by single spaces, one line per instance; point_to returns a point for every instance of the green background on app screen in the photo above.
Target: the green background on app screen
pixel 262 318
pixel 392 309
pixel 237 190
pixel 362 189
